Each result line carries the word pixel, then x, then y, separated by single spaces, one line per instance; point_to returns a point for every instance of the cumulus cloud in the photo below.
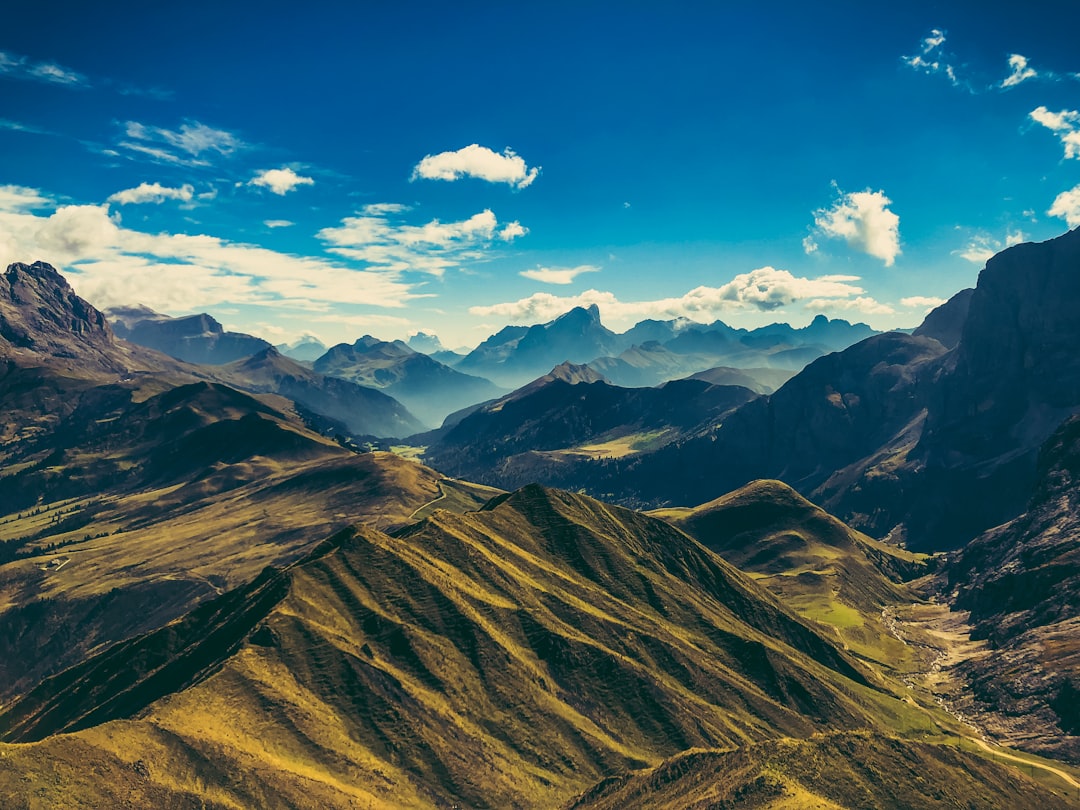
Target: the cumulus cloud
pixel 112 265
pixel 152 193
pixel 924 302
pixel 558 275
pixel 1065 123
pixel 280 181
pixel 477 161
pixel 864 221
pixel 1021 72
pixel 19 67
pixel 1067 206
pixel 763 289
pixel 186 146
pixel 931 57
pixel 512 230
pixel 432 248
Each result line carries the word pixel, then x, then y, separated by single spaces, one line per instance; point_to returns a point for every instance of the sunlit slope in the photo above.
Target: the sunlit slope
pixel 837 771
pixel 503 658
pixel 126 514
pixel 813 562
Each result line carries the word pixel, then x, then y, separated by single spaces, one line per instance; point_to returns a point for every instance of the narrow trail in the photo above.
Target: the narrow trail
pixel 935 673
pixel 442 495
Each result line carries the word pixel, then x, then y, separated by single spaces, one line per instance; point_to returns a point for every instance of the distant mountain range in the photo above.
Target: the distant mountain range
pixel 428 388
pixel 210 597
pixel 928 438
pixel 195 338
pixel 652 352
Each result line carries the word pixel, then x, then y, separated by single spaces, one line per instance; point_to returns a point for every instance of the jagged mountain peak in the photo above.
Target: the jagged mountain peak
pixel 41 313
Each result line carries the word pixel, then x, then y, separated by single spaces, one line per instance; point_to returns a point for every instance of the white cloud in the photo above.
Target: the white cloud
pixel 152 193
pixel 931 58
pixel 1065 123
pixel 982 246
pixel 278 223
pixel 1020 71
pixel 431 248
pixel 185 146
pixel 21 198
pixel 1067 206
pixel 809 245
pixel 763 289
pixel 864 221
pixel 280 181
pixel 112 265
pixel 477 161
pixel 864 304
pixel 19 67
pixel 558 275
pixel 512 230
pixel 924 302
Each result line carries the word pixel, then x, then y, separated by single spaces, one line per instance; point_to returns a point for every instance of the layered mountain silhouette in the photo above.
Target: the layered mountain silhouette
pixel 653 352
pixel 428 388
pixel 362 410
pixel 900 435
pixel 306 349
pixel 194 338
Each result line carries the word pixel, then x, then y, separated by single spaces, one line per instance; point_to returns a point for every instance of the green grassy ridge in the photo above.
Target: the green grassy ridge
pixel 508 657
pixel 834 771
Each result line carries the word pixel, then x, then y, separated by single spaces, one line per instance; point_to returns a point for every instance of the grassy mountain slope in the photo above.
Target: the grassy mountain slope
pixel 837 771
pixel 502 658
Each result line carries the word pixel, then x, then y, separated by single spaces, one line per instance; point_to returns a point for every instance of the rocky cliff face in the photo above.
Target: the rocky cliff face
pixel 40 313
pixel 1021 582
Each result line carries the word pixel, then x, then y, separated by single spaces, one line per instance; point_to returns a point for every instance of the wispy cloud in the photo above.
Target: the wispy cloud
pixel 280 181
pixel 15 66
pixel 1021 71
pixel 558 275
pixel 16 199
pixel 931 57
pixel 982 246
pixel 185 146
pixel 864 221
pixel 430 248
pixel 278 223
pixel 923 302
pixel 480 162
pixel 1065 124
pixel 864 304
pixel 152 193
pixel 1067 206
pixel 763 289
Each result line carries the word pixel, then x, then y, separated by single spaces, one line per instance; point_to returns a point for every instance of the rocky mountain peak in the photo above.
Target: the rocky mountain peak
pixel 40 312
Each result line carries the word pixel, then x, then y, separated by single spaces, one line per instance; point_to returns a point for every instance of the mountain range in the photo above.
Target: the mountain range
pixel 209 597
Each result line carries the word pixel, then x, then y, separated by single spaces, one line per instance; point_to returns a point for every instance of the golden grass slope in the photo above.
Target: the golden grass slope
pixel 504 658
pixel 833 771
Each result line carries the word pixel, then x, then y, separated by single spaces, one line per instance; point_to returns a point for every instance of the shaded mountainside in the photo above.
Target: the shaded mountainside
pixel 898 435
pixel 504 658
pixel 1021 582
pixel 194 338
pixel 571 410
pixel 428 388
pixel 363 411
pixel 839 771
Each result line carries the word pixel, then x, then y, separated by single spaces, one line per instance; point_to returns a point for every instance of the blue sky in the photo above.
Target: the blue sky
pixel 349 168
